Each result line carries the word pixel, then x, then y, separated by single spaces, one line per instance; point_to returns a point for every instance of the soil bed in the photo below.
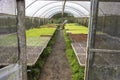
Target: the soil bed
pixel 78 37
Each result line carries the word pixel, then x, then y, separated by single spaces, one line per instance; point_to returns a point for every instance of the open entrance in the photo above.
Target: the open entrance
pixel 31 37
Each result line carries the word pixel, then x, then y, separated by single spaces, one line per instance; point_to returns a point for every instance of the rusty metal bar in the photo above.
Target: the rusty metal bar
pixel 22 37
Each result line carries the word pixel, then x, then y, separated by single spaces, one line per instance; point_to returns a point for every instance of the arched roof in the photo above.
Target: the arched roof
pixel 48 8
pixel 77 8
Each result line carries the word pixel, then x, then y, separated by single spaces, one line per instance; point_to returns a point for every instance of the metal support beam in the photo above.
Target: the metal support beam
pixel 63 7
pixel 86 0
pixel 22 37
pixel 91 36
pixel 104 51
pixel 67 7
pixel 52 3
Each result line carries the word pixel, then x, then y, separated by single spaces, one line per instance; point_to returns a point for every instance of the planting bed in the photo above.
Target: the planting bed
pixel 79 47
pixel 36 38
pixel 78 37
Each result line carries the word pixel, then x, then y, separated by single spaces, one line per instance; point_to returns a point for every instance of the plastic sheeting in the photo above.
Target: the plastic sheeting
pixel 40 8
pixel 11 72
pixel 8 6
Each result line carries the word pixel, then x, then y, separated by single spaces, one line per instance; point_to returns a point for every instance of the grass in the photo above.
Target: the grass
pixel 76 29
pixel 77 70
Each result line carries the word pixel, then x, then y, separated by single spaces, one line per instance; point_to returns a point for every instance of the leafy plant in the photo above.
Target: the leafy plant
pixel 77 70
pixel 74 28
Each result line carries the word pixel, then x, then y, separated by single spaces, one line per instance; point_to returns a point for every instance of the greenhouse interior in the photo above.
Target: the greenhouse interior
pixel 59 39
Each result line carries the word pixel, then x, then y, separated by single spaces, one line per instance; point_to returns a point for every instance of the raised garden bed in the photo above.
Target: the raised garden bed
pixel 37 39
pixel 77 70
pixel 78 36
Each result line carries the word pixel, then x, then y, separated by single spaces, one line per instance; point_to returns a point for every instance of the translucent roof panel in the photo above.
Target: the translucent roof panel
pixel 58 10
pixel 8 6
pixel 38 8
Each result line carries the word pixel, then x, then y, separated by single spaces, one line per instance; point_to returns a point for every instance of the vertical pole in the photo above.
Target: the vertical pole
pixel 39 22
pixel 77 20
pixel 63 7
pixel 22 37
pixel 91 36
pixel 80 21
pixel 104 22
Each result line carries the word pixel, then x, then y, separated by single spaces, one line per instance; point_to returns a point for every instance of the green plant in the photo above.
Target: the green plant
pixel 74 28
pixel 77 70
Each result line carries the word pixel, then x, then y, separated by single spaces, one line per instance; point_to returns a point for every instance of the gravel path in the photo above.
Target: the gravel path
pixel 57 66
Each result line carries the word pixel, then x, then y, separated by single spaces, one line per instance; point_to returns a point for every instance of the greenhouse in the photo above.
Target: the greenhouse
pixel 59 39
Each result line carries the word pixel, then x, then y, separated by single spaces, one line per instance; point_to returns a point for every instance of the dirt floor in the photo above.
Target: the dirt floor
pixel 57 66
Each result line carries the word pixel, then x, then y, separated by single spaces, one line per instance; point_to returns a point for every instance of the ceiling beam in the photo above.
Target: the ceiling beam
pixel 84 0
pixel 63 7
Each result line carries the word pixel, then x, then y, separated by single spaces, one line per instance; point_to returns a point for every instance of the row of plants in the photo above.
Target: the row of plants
pixel 42 30
pixel 32 36
pixel 35 70
pixel 75 28
pixel 77 70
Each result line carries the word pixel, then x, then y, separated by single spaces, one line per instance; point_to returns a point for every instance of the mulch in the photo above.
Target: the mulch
pixel 78 37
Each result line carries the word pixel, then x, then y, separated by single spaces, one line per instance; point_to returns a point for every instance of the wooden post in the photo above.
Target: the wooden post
pixel 22 37
pixel 91 36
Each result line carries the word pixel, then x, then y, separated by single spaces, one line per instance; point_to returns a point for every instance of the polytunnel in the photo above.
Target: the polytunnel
pixel 28 30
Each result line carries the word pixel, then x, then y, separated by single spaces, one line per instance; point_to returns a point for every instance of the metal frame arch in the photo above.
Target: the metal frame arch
pixel 81 6
pixel 59 12
pixel 42 7
pixel 31 4
pixel 53 3
pixel 55 12
pixel 88 10
pixel 53 9
pixel 74 9
pixel 56 2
